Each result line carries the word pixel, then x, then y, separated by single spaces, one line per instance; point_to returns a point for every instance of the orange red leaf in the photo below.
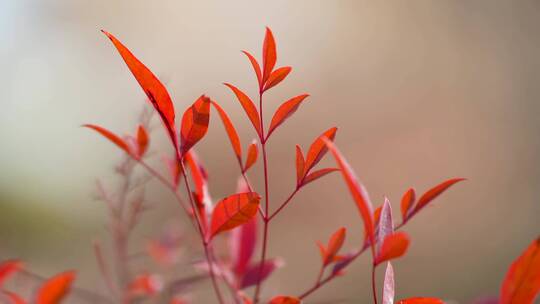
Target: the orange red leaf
pixel 394 246
pixel 55 289
pixel 256 67
pixel 318 174
pixel 356 189
pixel 110 136
pixel 154 89
pixel 432 193
pixel 285 111
pixel 276 77
pixel 8 268
pixel 284 300
pixel 249 108
pixel 318 149
pixel 142 140
pixel 522 281
pixel 231 131
pixel 194 123
pixel 234 211
pixel 300 165
pixel 407 202
pixel 421 301
pixel 252 155
pixel 269 54
pixel 334 245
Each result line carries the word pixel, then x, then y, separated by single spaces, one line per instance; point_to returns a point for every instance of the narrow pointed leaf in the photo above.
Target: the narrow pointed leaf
pixel 318 149
pixel 356 189
pixel 256 67
pixel 249 107
pixel 388 287
pixel 201 193
pixel 284 300
pixel 142 140
pixel 431 194
pixel 285 111
pixel 110 136
pixel 522 281
pixel 300 165
pixel 8 268
pixel 334 245
pixel 269 54
pixel 421 301
pixel 154 89
pixel 407 202
pixel 55 289
pixel 194 123
pixel 252 155
pixel 276 77
pixel 254 273
pixel 318 174
pixel 242 244
pixel 386 224
pixel 394 246
pixel 234 211
pixel 231 131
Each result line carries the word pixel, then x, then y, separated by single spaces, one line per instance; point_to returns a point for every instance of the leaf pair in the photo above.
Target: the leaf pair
pixel 329 254
pixel 389 291
pixel 135 147
pixel 389 245
pixel 409 206
pixel 316 151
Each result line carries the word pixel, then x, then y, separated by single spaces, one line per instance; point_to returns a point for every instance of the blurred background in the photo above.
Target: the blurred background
pixel 420 90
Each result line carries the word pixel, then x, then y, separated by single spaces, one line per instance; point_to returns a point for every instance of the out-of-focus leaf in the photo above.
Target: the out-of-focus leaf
pixel 285 300
pixel 256 67
pixel 53 290
pixel 251 276
pixel 146 285
pixel 318 149
pixel 285 111
pixel 249 108
pixel 252 155
pixel 522 281
pixel 154 89
pixel 8 268
pixel 231 131
pixel 12 297
pixel 421 301
pixel 276 77
pixel 194 123
pixel 407 202
pixel 234 211
pixel 318 174
pixel 110 136
pixel 334 245
pixel 201 193
pixel 394 246
pixel 388 287
pixel 356 189
pixel 142 140
pixel 269 54
pixel 242 245
pixel 432 193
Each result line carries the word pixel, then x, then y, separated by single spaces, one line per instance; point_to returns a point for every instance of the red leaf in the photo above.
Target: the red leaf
pixel 269 54
pixel 142 140
pixel 285 111
pixel 300 165
pixel 357 190
pixel 334 245
pixel 251 276
pixel 234 211
pixel 249 107
pixel 13 297
pixel 522 281
pixel 407 202
pixel 231 131
pixel 431 194
pixel 201 194
pixel 276 77
pixel 421 301
pixel 154 89
pixel 242 244
pixel 285 300
pixel 55 289
pixel 256 67
pixel 110 136
pixel 252 154
pixel 146 285
pixel 388 287
pixel 394 246
pixel 175 169
pixel 386 224
pixel 8 268
pixel 194 123
pixel 318 149
pixel 318 174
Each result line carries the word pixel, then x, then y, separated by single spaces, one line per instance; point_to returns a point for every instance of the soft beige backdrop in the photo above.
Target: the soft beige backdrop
pixel 421 91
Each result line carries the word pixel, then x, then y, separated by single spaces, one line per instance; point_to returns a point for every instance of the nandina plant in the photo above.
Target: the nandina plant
pixel 244 216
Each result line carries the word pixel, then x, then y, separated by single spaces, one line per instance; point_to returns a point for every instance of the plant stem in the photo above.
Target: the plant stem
pixel 373 284
pixel 266 201
pixel 284 204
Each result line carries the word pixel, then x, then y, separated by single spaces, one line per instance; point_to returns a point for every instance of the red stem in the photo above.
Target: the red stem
pixel 284 204
pixel 373 284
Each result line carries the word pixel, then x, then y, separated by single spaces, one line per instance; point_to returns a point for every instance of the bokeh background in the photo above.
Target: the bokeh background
pixel 421 91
